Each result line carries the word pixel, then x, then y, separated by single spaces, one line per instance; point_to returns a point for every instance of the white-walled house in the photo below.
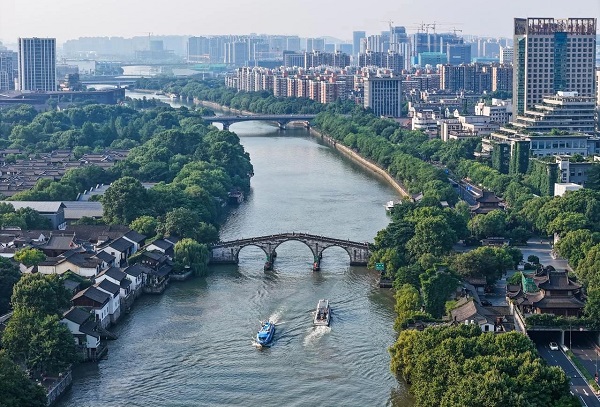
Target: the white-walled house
pixel 136 238
pixel 84 329
pixel 108 260
pixel 96 299
pixel 116 276
pixel 84 264
pixel 137 274
pixel 121 249
pixel 114 291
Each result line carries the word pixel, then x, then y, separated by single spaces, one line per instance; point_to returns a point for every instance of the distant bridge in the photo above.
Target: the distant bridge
pixel 281 119
pixel 228 252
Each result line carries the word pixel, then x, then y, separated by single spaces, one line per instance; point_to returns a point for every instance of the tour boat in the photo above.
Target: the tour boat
pixel 323 313
pixel 389 206
pixel 264 337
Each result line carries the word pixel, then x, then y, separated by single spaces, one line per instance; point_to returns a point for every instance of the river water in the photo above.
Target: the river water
pixel 193 345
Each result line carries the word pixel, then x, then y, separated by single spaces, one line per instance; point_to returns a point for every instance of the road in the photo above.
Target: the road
pixel 579 386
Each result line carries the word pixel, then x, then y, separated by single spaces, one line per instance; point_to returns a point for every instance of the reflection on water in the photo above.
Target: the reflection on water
pixel 193 344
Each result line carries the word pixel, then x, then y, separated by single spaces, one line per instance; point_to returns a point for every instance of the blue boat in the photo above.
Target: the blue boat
pixel 264 337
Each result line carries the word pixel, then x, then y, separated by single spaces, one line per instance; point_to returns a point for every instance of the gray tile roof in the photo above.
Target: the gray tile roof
pixel 120 245
pixel 105 256
pixel 137 269
pixel 162 244
pixel 93 294
pixel 135 236
pixel 115 273
pixel 79 209
pixel 77 315
pixel 40 206
pixel 108 286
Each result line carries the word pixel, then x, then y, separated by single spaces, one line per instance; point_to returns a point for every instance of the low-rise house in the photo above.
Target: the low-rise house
pixel 83 264
pixel 75 210
pixel 107 259
pixel 136 238
pixel 121 249
pixel 114 305
pixel 96 299
pixel 137 273
pixel 82 324
pixel 58 243
pixel 489 319
pixel 116 276
pixel 163 246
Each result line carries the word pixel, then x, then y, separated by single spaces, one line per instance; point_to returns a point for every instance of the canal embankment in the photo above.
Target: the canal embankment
pixel 364 162
pixel 344 150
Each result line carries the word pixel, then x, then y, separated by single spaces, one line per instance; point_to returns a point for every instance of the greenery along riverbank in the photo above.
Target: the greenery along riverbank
pixel 416 249
pixel 194 166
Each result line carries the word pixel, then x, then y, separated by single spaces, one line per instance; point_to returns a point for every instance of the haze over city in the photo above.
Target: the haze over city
pixel 75 18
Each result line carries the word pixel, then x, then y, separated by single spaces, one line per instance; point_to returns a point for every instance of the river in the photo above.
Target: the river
pixel 193 345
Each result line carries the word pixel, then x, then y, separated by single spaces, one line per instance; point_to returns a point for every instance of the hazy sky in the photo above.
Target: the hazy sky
pixel 65 19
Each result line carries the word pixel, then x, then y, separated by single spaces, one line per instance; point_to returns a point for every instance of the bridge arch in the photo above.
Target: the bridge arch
pixel 236 253
pixel 228 252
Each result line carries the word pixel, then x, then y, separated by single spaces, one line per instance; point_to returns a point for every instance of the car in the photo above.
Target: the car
pixel 486 303
pixel 553 346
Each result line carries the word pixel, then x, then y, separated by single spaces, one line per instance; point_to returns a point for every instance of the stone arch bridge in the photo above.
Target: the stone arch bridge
pixel 228 252
pixel 282 120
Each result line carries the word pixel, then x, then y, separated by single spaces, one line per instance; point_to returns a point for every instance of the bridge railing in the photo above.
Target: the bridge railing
pixel 291 235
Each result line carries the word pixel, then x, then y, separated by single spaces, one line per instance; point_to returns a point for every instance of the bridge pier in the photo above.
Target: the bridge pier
pixel 282 125
pixel 270 260
pixel 226 126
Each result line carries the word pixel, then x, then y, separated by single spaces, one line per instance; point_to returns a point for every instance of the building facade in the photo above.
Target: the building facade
pixel 552 55
pixel 37 64
pixel 383 94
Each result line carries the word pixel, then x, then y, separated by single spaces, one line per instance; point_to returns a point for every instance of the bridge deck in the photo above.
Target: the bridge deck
pixel 291 236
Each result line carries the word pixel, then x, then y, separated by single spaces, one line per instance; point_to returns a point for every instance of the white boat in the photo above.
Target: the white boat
pixel 323 314
pixel 389 206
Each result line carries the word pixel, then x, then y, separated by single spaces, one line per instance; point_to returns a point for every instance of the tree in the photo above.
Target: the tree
pixel 566 222
pixel 408 301
pixel 51 347
pixel 41 294
pixel 189 253
pixel 433 235
pixel 488 225
pixel 592 306
pixel 575 244
pixel 593 178
pixel 30 256
pixel 488 262
pixel 33 219
pixel 9 275
pixel 146 225
pixel 39 341
pixel 436 287
pixel 588 268
pixel 16 388
pixel 124 201
pixel 533 259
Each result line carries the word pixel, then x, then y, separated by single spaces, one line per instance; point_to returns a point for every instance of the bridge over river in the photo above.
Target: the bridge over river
pixel 281 119
pixel 228 252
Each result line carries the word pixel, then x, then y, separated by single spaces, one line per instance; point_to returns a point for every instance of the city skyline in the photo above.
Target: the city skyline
pixel 30 18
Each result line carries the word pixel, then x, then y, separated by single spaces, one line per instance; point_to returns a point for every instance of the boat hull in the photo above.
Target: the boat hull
pixel 322 314
pixel 265 337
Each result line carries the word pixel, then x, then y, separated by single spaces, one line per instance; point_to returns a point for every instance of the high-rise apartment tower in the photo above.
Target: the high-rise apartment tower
pixel 37 64
pixel 552 55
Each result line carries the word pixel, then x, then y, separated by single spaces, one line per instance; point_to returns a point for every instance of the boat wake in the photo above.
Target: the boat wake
pixel 315 334
pixel 276 317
